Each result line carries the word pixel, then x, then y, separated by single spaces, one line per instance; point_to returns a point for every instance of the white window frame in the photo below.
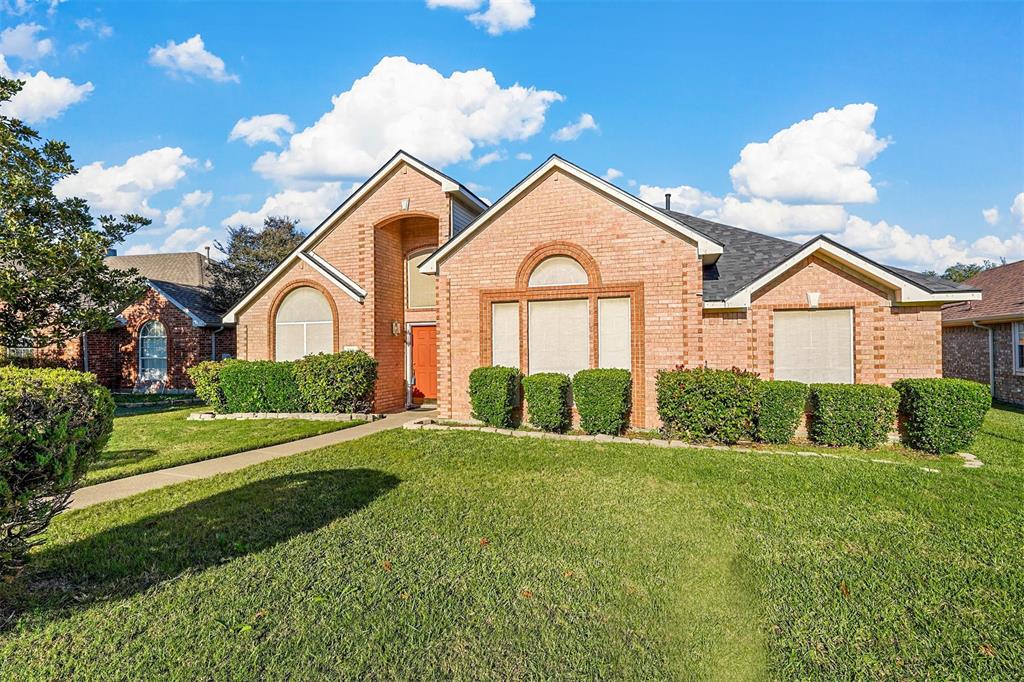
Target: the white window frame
pixel 305 332
pixel 408 260
pixel 853 339
pixel 167 354
pixel 1015 339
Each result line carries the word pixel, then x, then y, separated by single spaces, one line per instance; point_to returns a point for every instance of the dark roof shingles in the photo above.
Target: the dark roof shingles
pixel 181 276
pixel 1002 291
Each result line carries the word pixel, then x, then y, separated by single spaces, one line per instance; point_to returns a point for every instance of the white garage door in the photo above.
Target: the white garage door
pixel 814 346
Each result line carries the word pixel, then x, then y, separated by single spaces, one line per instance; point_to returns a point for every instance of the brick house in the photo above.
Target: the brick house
pixel 173 327
pixel 567 271
pixel 984 340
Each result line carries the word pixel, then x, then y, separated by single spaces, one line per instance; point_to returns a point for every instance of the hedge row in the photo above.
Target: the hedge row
pixel 601 396
pixel 335 382
pixel 53 424
pixel 939 415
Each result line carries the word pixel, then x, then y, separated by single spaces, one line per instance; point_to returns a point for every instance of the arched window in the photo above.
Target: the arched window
pixel 304 325
pixel 421 290
pixel 558 271
pixel 152 352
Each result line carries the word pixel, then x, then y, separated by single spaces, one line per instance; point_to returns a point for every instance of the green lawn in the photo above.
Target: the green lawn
pixel 147 442
pixel 442 555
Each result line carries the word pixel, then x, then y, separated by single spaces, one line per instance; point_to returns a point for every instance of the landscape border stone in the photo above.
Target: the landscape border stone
pixel 309 416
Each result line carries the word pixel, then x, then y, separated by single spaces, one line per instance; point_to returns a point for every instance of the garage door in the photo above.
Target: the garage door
pixel 814 346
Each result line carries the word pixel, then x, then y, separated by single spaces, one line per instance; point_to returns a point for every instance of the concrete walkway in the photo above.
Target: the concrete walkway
pixel 124 487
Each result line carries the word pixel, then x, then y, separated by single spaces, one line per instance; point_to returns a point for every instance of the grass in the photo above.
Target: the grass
pixel 453 555
pixel 152 441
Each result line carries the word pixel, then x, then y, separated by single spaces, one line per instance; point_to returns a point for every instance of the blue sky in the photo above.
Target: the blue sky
pixel 897 128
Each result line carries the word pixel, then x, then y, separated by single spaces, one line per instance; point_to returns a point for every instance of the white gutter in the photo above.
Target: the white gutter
pixel 991 357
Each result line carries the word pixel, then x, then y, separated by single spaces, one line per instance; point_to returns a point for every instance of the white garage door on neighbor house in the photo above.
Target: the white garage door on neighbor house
pixel 814 346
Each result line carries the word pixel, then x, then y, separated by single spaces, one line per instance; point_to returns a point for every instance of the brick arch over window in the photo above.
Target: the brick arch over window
pixel 558 248
pixel 279 299
pixel 399 215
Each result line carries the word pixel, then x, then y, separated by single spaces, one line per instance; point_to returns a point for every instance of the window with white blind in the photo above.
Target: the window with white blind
pixel 1018 347
pixel 614 334
pixel 559 336
pixel 814 346
pixel 558 271
pixel 152 351
pixel 505 334
pixel 421 290
pixel 304 325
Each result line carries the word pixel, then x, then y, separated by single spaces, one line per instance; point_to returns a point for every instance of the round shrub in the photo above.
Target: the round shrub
pixel 206 379
pixel 707 404
pixel 337 382
pixel 852 414
pixel 780 405
pixel 260 386
pixel 53 425
pixel 603 398
pixel 942 416
pixel 494 394
pixel 548 402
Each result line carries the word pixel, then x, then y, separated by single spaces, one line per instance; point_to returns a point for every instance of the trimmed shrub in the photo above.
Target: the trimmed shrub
pixel 494 395
pixel 548 401
pixel 852 414
pixel 337 382
pixel 707 404
pixel 780 405
pixel 53 424
pixel 260 386
pixel 603 398
pixel 942 416
pixel 206 378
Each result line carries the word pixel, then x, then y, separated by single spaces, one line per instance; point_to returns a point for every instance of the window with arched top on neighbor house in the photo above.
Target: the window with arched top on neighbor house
pixel 303 325
pixel 152 351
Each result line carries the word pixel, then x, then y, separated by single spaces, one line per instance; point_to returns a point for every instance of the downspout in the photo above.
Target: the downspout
pixel 991 357
pixel 85 351
pixel 213 342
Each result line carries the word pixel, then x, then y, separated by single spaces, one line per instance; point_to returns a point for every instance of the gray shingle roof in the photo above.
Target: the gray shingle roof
pixel 181 276
pixel 747 255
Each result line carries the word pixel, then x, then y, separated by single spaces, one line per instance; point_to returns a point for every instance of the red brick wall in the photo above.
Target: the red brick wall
pixel 113 356
pixel 965 355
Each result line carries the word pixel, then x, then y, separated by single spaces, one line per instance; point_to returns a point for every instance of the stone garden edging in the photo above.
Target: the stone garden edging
pixel 310 416
pixel 429 424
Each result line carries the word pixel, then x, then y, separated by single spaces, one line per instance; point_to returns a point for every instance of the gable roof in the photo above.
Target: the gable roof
pixel 707 248
pixel 304 249
pixel 181 278
pixel 1003 291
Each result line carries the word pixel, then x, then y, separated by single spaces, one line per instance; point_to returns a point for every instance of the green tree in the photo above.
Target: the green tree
pixel 250 255
pixel 54 284
pixel 961 272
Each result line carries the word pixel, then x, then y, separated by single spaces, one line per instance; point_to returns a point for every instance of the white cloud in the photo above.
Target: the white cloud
pixel 15 7
pixel 43 96
pixel 184 239
pixel 264 128
pixel 20 41
pixel 489 158
pixel 192 200
pixel 524 156
pixel 310 207
pixel 97 26
pixel 190 58
pixel 685 199
pixel 504 15
pixel 893 244
pixel 1017 208
pixel 574 130
pixel 467 5
pixel 403 105
pixel 991 215
pixel 128 187
pixel 612 174
pixel 820 160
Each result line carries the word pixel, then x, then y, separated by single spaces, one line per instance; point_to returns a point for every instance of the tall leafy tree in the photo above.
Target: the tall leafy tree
pixel 54 284
pixel 250 255
pixel 961 272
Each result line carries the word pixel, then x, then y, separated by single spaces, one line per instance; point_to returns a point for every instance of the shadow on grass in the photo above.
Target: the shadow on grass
pixel 115 458
pixel 128 559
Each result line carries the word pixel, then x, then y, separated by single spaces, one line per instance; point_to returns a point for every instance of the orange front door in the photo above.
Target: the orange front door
pixel 424 364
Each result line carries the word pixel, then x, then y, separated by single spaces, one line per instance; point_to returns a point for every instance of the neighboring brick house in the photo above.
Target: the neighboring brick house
pixel 567 271
pixel 984 340
pixel 173 327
